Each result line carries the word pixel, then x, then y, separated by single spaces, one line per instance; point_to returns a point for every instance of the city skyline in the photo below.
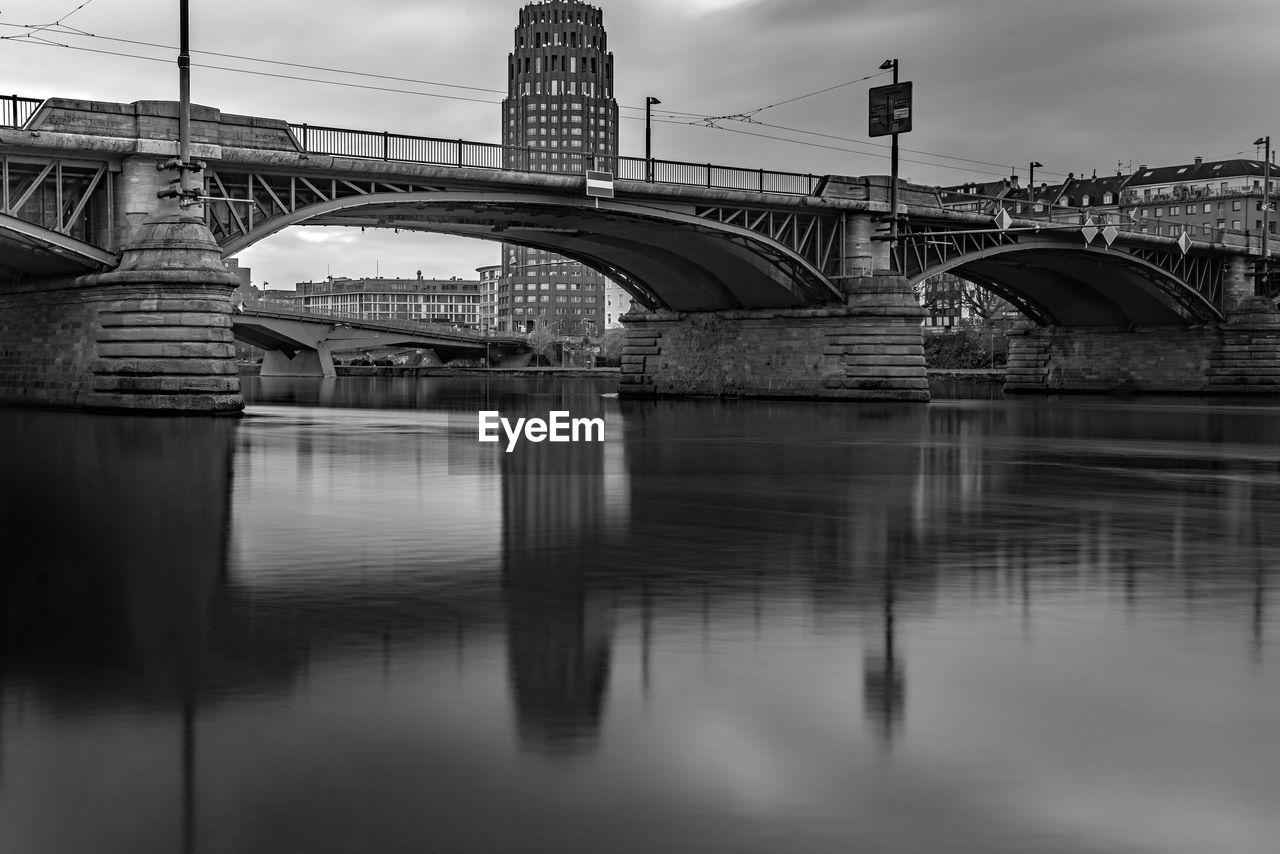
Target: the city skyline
pixel 1089 87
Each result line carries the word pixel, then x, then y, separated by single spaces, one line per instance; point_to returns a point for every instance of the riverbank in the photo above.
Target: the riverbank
pixel 253 368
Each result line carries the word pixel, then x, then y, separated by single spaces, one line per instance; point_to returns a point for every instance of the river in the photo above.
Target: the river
pixel 342 624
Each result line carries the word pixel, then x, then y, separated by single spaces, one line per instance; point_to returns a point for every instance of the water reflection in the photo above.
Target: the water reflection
pixel 333 621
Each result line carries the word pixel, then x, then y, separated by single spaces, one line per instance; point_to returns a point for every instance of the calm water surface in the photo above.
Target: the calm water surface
pixel 340 624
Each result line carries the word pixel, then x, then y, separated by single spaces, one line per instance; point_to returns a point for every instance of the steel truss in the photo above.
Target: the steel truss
pixel 814 237
pixel 71 197
pixel 1201 273
pixel 238 202
pixel 925 246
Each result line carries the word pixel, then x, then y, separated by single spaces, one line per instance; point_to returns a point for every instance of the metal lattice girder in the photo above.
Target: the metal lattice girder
pixel 60 195
pixel 1054 275
pixel 241 200
pixel 1201 272
pixel 815 237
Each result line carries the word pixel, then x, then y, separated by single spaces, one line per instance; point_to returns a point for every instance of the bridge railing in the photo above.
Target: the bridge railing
pixel 16 111
pixel 436 151
pixel 1124 218
pixel 421 327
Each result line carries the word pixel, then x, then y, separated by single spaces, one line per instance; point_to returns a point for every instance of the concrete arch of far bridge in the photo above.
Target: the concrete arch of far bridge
pixel 1056 284
pixel 667 259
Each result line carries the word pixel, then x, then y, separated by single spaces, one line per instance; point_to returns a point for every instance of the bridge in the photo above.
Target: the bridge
pixel 300 343
pixel 750 281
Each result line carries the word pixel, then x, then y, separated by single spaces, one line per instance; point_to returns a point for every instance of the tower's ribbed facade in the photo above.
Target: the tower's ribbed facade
pixel 560 108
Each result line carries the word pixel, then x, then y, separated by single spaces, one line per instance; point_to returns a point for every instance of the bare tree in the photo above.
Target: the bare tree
pixel 542 341
pixel 946 294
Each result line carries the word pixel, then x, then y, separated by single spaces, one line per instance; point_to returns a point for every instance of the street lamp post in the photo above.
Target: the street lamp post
pixel 893 168
pixel 1031 184
pixel 648 137
pixel 1266 206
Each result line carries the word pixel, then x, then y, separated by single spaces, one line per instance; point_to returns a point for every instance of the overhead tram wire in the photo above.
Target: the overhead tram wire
pixel 272 74
pixel 244 58
pixel 678 117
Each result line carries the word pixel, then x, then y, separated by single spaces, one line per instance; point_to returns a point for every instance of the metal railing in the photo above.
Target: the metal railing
pixel 270 308
pixel 435 151
pixel 15 111
pixel 1122 217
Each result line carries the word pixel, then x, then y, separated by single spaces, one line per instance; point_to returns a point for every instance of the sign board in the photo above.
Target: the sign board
pixel 600 184
pixel 890 109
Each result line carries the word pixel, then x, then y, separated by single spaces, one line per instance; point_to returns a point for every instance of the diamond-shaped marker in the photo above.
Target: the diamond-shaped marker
pixel 1109 234
pixel 1089 231
pixel 1003 220
pixel 1184 243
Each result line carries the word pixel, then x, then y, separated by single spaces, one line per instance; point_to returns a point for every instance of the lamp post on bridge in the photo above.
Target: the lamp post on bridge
pixel 893 167
pixel 649 102
pixel 1261 281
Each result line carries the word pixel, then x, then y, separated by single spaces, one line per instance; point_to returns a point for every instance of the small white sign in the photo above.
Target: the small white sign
pixel 1003 220
pixel 600 184
pixel 1184 243
pixel 1089 231
pixel 1109 234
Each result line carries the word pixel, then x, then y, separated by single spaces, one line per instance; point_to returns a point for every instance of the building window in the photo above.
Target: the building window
pixel 1191 209
pixel 1235 206
pixel 1208 208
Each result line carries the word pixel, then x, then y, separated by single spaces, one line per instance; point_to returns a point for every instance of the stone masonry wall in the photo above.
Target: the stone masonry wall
pixel 810 353
pixel 156 348
pixel 1057 359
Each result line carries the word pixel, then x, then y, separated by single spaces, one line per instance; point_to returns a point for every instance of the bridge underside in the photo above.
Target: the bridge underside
pixel 28 251
pixel 666 259
pixel 1059 283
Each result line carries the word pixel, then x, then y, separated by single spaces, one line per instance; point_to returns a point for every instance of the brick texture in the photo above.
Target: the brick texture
pixel 807 353
pixel 136 347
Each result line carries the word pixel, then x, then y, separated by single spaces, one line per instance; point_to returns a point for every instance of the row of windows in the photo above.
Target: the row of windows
pixel 547 298
pixel 554 39
pixel 559 286
pixel 1207 207
pixel 403 299
pixel 557 62
pixel 519 310
pixel 569 87
pixel 543 106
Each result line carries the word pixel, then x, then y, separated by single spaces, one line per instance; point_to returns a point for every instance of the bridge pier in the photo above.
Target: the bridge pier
pixel 1238 356
pixel 153 335
pixel 867 349
pixel 316 362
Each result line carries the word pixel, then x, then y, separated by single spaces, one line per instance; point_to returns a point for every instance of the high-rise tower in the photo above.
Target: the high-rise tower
pixel 560 107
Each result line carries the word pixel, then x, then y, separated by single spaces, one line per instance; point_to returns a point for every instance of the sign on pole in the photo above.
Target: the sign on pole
pixel 600 184
pixel 890 109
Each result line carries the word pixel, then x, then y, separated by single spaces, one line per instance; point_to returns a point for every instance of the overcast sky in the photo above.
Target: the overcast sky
pixel 1079 85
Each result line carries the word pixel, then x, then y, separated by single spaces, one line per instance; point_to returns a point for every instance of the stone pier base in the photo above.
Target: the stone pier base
pixel 154 335
pixel 1240 356
pixel 870 349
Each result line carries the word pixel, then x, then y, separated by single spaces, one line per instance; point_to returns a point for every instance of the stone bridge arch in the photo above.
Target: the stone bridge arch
pixel 667 259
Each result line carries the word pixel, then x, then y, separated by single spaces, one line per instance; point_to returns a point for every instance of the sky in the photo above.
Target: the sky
pixel 1079 86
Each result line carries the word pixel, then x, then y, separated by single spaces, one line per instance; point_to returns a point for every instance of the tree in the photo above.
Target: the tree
pixel 542 341
pixel 948 295
pixel 611 345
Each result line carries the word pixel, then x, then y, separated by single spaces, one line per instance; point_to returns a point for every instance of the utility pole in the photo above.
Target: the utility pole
pixel 1263 278
pixel 184 192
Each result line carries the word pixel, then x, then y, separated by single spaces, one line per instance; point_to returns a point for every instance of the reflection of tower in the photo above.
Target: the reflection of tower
pixel 561 112
pixel 559 616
